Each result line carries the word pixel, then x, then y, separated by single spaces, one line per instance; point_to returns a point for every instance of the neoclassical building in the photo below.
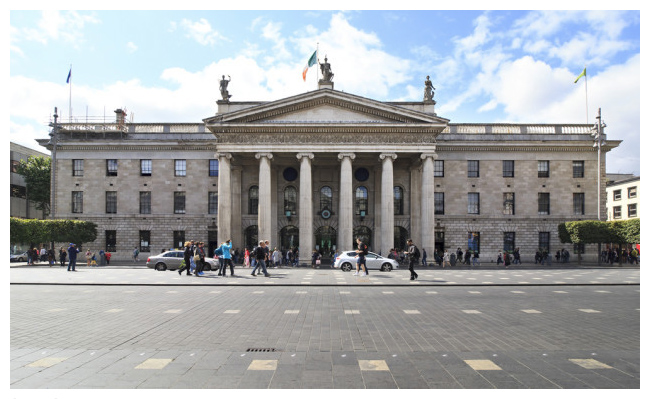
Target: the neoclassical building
pixel 318 169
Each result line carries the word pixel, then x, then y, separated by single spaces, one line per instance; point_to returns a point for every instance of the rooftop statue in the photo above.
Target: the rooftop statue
pixel 428 90
pixel 223 86
pixel 326 70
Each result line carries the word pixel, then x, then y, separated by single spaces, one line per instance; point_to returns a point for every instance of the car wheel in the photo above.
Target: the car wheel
pixel 346 267
pixel 386 267
pixel 21 260
pixel 161 267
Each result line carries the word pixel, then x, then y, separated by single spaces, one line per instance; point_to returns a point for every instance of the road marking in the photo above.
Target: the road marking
pixel 431 292
pixel 352 312
pixel 471 311
pixel 604 292
pixel 153 364
pixel 474 292
pixel 344 292
pixel 411 311
pixel 291 311
pixel 47 362
pixel 518 292
pixel 172 292
pixel 215 292
pixel 174 311
pixel 481 365
pixel 113 310
pixel 258 292
pixel 589 310
pixel 232 311
pixel 263 365
pixel 387 292
pixel 373 365
pixel 560 292
pixel 590 364
pixel 530 311
pixel 301 292
pixel 56 310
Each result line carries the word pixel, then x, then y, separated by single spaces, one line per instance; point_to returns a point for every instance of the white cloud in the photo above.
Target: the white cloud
pixel 131 47
pixel 201 31
pixel 56 25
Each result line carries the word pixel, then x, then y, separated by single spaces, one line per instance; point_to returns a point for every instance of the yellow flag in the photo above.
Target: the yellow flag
pixel 583 73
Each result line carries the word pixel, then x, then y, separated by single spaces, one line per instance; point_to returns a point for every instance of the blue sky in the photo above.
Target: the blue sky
pixel 487 66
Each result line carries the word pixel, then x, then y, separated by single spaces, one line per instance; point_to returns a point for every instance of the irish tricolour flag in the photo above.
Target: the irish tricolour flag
pixel 311 62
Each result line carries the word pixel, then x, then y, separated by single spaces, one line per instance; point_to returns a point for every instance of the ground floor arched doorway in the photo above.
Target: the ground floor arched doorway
pixel 399 240
pixel 325 242
pixel 289 238
pixel 250 237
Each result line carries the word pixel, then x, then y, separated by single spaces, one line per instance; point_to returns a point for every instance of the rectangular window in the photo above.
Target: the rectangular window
pixel 438 168
pixel 179 239
pixel 473 203
pixel 145 202
pixel 508 203
pixel 509 241
pixel 631 192
pixel 179 202
pixel 14 166
pixel 474 241
pixel 145 238
pixel 111 202
pixel 214 167
pixel 111 240
pixel 472 169
pixel 631 210
pixel 77 167
pixel 439 203
pixel 617 212
pixel 544 241
pixel 543 169
pixel 508 168
pixel 578 203
pixel 543 203
pixel 145 167
pixel 77 202
pixel 18 191
pixel 617 195
pixel 111 167
pixel 213 203
pixel 578 169
pixel 180 167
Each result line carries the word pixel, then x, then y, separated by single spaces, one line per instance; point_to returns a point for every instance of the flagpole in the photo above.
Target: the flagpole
pixel 70 99
pixel 318 62
pixel 586 97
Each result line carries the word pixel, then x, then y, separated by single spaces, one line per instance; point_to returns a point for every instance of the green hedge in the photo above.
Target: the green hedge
pixel 33 231
pixel 594 232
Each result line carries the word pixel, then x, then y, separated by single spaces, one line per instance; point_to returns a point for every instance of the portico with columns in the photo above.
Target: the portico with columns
pixel 345 158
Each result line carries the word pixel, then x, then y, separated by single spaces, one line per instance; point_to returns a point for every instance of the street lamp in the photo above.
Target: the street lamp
pixel 599 136
pixel 53 142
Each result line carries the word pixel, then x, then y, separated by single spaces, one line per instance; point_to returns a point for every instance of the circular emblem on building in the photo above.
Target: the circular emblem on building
pixel 361 174
pixel 325 214
pixel 290 174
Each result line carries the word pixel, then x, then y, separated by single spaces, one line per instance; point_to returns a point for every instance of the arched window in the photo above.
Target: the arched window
pixel 361 201
pixel 398 200
pixel 253 199
pixel 290 199
pixel 325 198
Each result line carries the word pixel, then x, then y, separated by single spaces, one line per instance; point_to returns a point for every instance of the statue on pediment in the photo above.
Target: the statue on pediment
pixel 223 86
pixel 326 70
pixel 428 90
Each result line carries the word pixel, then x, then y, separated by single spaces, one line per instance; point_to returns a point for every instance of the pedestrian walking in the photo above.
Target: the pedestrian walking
pixel 72 255
pixel 199 258
pixel 362 251
pixel 413 254
pixel 445 259
pixel 247 258
pixel 259 254
pixel 62 255
pixel 424 257
pixel 187 256
pixel 227 259
pixel 89 255
pixel 475 259
pixel 136 252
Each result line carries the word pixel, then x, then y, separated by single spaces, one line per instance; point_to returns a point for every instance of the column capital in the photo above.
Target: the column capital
pixel 426 155
pixel 218 155
pixel 347 155
pixel 309 155
pixel 264 154
pixel 390 155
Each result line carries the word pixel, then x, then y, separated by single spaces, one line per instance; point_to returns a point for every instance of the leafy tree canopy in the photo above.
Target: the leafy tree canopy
pixel 36 171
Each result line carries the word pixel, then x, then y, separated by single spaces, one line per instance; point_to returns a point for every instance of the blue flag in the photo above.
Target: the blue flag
pixel 69 76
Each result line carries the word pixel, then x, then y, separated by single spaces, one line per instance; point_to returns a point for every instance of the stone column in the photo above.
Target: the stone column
pixel 344 240
pixel 264 203
pixel 427 203
pixel 387 202
pixel 224 205
pixel 305 207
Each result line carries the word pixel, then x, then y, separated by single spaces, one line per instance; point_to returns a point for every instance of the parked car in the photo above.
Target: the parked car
pixel 19 257
pixel 171 260
pixel 347 261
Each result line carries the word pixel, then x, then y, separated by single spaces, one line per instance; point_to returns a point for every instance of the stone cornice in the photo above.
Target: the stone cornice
pixel 528 148
pixel 329 138
pixel 135 147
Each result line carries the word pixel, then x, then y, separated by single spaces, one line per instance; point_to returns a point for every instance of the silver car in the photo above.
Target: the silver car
pixel 20 257
pixel 171 260
pixel 347 261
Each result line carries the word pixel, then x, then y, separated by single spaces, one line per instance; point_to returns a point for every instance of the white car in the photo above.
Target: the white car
pixel 20 257
pixel 171 260
pixel 348 261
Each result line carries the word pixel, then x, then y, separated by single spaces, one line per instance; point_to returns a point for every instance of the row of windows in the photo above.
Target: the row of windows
pixel 361 202
pixel 508 169
pixel 631 193
pixel 146 167
pixel 474 241
pixel 543 203
pixel 631 211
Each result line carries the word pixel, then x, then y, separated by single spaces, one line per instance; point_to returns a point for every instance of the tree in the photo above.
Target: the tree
pixel 34 231
pixel 36 171
pixel 597 232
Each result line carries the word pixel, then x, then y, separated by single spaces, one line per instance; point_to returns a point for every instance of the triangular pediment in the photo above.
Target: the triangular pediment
pixel 323 106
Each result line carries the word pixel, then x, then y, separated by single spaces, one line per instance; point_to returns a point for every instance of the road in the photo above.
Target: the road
pixel 305 328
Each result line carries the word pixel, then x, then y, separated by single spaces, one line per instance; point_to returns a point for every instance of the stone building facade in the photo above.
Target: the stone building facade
pixel 318 169
pixel 623 197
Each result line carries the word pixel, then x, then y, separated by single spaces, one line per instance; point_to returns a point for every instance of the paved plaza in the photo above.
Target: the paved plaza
pixel 127 327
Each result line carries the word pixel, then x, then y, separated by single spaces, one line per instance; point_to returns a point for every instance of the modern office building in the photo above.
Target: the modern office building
pixel 318 169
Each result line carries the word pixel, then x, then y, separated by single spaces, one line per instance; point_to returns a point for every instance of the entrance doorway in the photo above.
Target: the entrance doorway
pixel 325 243
pixel 289 238
pixel 250 237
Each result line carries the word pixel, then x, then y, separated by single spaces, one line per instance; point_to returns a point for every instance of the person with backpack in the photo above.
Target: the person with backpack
pixel 362 251
pixel 259 254
pixel 224 250
pixel 414 255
